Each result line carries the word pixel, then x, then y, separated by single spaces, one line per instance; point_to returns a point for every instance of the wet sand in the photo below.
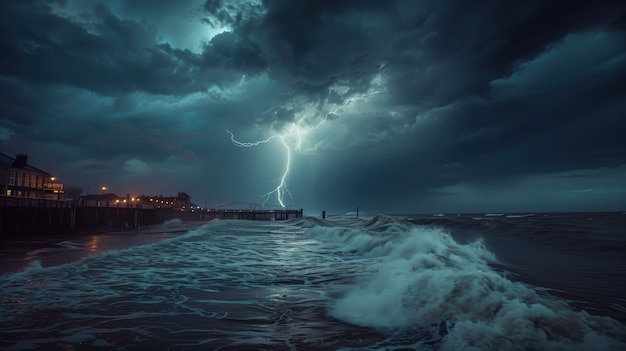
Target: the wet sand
pixel 18 254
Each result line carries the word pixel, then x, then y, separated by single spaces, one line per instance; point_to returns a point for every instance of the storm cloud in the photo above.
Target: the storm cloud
pixel 403 106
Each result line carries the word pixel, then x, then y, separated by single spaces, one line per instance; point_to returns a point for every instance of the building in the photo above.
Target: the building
pixel 71 192
pixel 58 191
pixel 18 178
pixel 182 201
pixel 106 200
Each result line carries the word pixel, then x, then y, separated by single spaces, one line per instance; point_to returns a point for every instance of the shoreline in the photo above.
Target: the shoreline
pixel 18 254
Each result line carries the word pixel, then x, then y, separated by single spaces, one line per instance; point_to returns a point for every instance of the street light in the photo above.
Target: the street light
pixel 104 188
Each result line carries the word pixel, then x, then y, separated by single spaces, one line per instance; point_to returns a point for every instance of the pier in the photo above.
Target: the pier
pixel 271 215
pixel 35 217
pixel 28 217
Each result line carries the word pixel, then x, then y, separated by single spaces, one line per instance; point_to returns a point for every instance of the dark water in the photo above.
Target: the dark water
pixel 479 282
pixel 580 254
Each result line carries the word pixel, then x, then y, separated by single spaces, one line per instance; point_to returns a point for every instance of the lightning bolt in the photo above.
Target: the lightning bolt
pixel 256 143
pixel 281 189
pixel 296 130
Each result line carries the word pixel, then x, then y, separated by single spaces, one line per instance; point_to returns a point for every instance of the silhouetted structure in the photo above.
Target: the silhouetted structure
pixel 18 178
pixel 182 201
pixel 21 216
pixel 251 214
pixel 27 216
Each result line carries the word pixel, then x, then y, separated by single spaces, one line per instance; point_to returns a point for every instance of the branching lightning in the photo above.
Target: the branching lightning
pixel 297 131
pixel 256 143
pixel 281 189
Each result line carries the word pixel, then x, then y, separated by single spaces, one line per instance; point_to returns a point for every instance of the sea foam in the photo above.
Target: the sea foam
pixel 422 278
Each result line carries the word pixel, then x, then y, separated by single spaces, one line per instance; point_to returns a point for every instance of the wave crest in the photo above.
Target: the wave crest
pixel 424 279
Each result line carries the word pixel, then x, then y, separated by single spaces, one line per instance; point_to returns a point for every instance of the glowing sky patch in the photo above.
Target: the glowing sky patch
pixel 293 137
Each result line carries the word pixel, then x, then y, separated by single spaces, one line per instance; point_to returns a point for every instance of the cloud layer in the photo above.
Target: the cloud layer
pixel 410 106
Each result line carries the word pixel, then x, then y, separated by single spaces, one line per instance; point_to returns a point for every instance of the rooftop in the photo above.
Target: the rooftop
pixel 8 161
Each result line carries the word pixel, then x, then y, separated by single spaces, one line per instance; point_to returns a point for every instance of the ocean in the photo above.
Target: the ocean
pixel 378 282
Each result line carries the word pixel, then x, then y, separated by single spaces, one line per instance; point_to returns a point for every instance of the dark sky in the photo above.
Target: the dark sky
pixel 394 106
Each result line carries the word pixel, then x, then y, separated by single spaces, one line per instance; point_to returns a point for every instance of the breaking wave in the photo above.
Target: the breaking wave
pixel 424 280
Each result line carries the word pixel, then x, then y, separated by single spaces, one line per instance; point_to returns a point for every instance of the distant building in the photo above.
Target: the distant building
pixel 104 199
pixel 71 192
pixel 59 191
pixel 182 201
pixel 18 178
